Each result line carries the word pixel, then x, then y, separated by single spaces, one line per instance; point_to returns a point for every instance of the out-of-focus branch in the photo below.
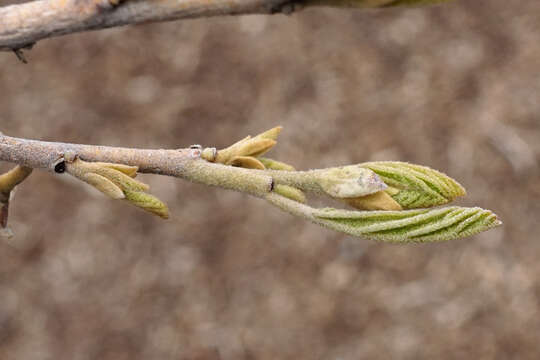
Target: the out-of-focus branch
pixel 22 25
pixel 25 24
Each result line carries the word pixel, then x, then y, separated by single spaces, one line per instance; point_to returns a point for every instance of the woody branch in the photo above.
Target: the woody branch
pixel 24 24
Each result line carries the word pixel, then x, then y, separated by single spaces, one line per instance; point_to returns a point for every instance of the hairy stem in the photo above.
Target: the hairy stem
pixel 112 169
pixel 182 163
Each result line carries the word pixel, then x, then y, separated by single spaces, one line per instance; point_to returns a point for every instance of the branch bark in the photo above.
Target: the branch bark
pixel 181 163
pixel 24 24
pixel 187 164
pixel 21 26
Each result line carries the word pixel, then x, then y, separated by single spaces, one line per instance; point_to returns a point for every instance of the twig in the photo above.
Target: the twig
pixel 182 163
pixel 187 164
pixel 387 186
pixel 24 24
pixel 27 23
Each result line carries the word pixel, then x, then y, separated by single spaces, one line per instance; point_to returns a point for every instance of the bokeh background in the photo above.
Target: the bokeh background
pixel 455 87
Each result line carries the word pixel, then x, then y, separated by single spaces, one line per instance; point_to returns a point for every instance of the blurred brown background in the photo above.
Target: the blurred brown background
pixel 455 87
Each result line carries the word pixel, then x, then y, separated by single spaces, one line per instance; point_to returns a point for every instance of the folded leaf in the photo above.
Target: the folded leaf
pixel 415 186
pixel 248 146
pixel 116 181
pixel 104 185
pixel 12 178
pixel 8 182
pixel 271 134
pixel 377 201
pixel 148 203
pixel 406 226
pixel 424 225
pixel 290 193
pixel 272 164
pixel 124 181
pixel 130 171
pixel 247 162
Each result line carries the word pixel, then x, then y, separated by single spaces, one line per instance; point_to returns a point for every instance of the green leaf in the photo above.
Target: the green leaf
pixel 117 181
pixel 12 178
pixel 380 200
pixel 148 203
pixel 248 146
pixel 246 162
pixel 290 193
pixel 125 182
pixel 272 164
pixel 415 186
pixel 104 185
pixel 423 225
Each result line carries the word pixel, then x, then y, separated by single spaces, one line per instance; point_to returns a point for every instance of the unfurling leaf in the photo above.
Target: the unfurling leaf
pixel 272 164
pixel 148 202
pixel 414 186
pixel 104 185
pixel 117 182
pixel 245 147
pixel 290 193
pixel 423 225
pixel 271 134
pixel 122 180
pixel 12 178
pixel 249 146
pixel 130 171
pixel 377 201
pixel 247 162
pixel 8 182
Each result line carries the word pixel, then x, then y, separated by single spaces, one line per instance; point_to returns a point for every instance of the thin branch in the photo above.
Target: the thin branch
pixel 188 164
pixel 22 25
pixel 25 24
pixel 392 187
pixel 182 163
